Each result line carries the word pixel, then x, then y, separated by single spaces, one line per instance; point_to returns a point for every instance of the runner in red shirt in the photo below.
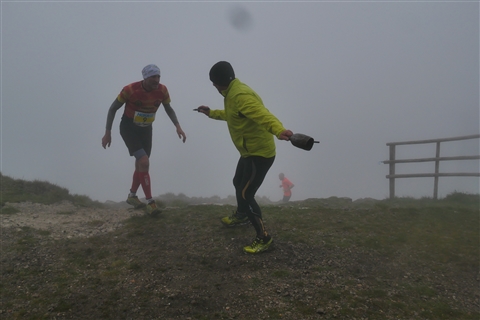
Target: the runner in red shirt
pixel 142 100
pixel 287 186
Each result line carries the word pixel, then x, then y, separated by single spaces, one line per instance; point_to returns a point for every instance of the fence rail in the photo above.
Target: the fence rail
pixel 392 161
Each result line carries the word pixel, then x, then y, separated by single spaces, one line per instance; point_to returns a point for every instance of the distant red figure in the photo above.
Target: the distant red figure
pixel 287 186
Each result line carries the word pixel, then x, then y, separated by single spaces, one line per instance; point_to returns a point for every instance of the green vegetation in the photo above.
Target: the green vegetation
pixel 17 190
pixel 333 259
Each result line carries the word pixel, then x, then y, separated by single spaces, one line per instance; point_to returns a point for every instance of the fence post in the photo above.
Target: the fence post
pixel 392 171
pixel 392 176
pixel 437 166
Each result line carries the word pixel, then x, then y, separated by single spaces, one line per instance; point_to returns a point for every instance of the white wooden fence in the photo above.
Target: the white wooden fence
pixel 392 161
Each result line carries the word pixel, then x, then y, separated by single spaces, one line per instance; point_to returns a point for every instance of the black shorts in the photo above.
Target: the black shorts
pixel 136 137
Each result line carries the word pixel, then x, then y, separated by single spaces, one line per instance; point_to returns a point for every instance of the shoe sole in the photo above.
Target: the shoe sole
pixel 154 212
pixel 236 224
pixel 260 251
pixel 135 206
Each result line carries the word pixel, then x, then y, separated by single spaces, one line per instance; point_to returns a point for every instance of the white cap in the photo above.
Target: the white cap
pixel 150 70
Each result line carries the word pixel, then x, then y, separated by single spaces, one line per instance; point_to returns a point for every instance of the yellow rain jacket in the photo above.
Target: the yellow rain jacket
pixel 250 124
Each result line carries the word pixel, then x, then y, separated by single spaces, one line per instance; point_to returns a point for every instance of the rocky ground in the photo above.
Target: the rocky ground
pixel 187 273
pixel 64 220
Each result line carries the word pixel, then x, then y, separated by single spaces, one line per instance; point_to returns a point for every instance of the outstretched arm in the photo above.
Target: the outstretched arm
pixel 285 135
pixel 212 114
pixel 107 138
pixel 203 109
pixel 171 114
pixel 254 109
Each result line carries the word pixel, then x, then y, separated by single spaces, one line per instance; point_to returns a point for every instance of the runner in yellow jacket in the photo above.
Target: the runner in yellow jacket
pixel 250 124
pixel 251 128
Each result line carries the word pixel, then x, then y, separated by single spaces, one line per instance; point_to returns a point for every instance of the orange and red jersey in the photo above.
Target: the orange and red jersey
pixel 287 185
pixel 136 99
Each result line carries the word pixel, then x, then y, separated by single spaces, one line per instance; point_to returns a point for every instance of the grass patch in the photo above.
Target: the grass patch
pixel 392 259
pixel 18 190
pixel 280 273
pixel 8 210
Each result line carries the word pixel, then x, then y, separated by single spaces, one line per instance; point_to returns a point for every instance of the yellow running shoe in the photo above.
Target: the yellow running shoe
pixel 235 220
pixel 258 245
pixel 152 208
pixel 137 204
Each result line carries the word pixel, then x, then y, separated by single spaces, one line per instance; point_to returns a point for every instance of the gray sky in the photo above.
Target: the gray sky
pixel 353 75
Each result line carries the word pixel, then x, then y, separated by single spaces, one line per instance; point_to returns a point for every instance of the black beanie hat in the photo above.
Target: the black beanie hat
pixel 222 73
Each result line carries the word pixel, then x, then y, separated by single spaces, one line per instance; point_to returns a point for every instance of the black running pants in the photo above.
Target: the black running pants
pixel 249 176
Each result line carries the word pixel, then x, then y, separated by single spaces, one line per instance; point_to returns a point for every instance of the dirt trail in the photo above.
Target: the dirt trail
pixel 64 220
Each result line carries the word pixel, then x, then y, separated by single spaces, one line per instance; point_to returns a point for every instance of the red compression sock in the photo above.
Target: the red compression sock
pixel 145 182
pixel 135 182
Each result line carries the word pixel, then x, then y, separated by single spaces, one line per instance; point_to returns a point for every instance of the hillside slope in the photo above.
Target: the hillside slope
pixel 332 259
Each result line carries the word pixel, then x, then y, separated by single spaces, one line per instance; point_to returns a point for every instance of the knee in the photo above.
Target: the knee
pixel 143 164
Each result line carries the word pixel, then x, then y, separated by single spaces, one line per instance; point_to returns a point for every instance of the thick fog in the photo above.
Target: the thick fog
pixel 353 75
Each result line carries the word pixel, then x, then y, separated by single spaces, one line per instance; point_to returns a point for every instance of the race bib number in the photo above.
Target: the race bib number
pixel 143 119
